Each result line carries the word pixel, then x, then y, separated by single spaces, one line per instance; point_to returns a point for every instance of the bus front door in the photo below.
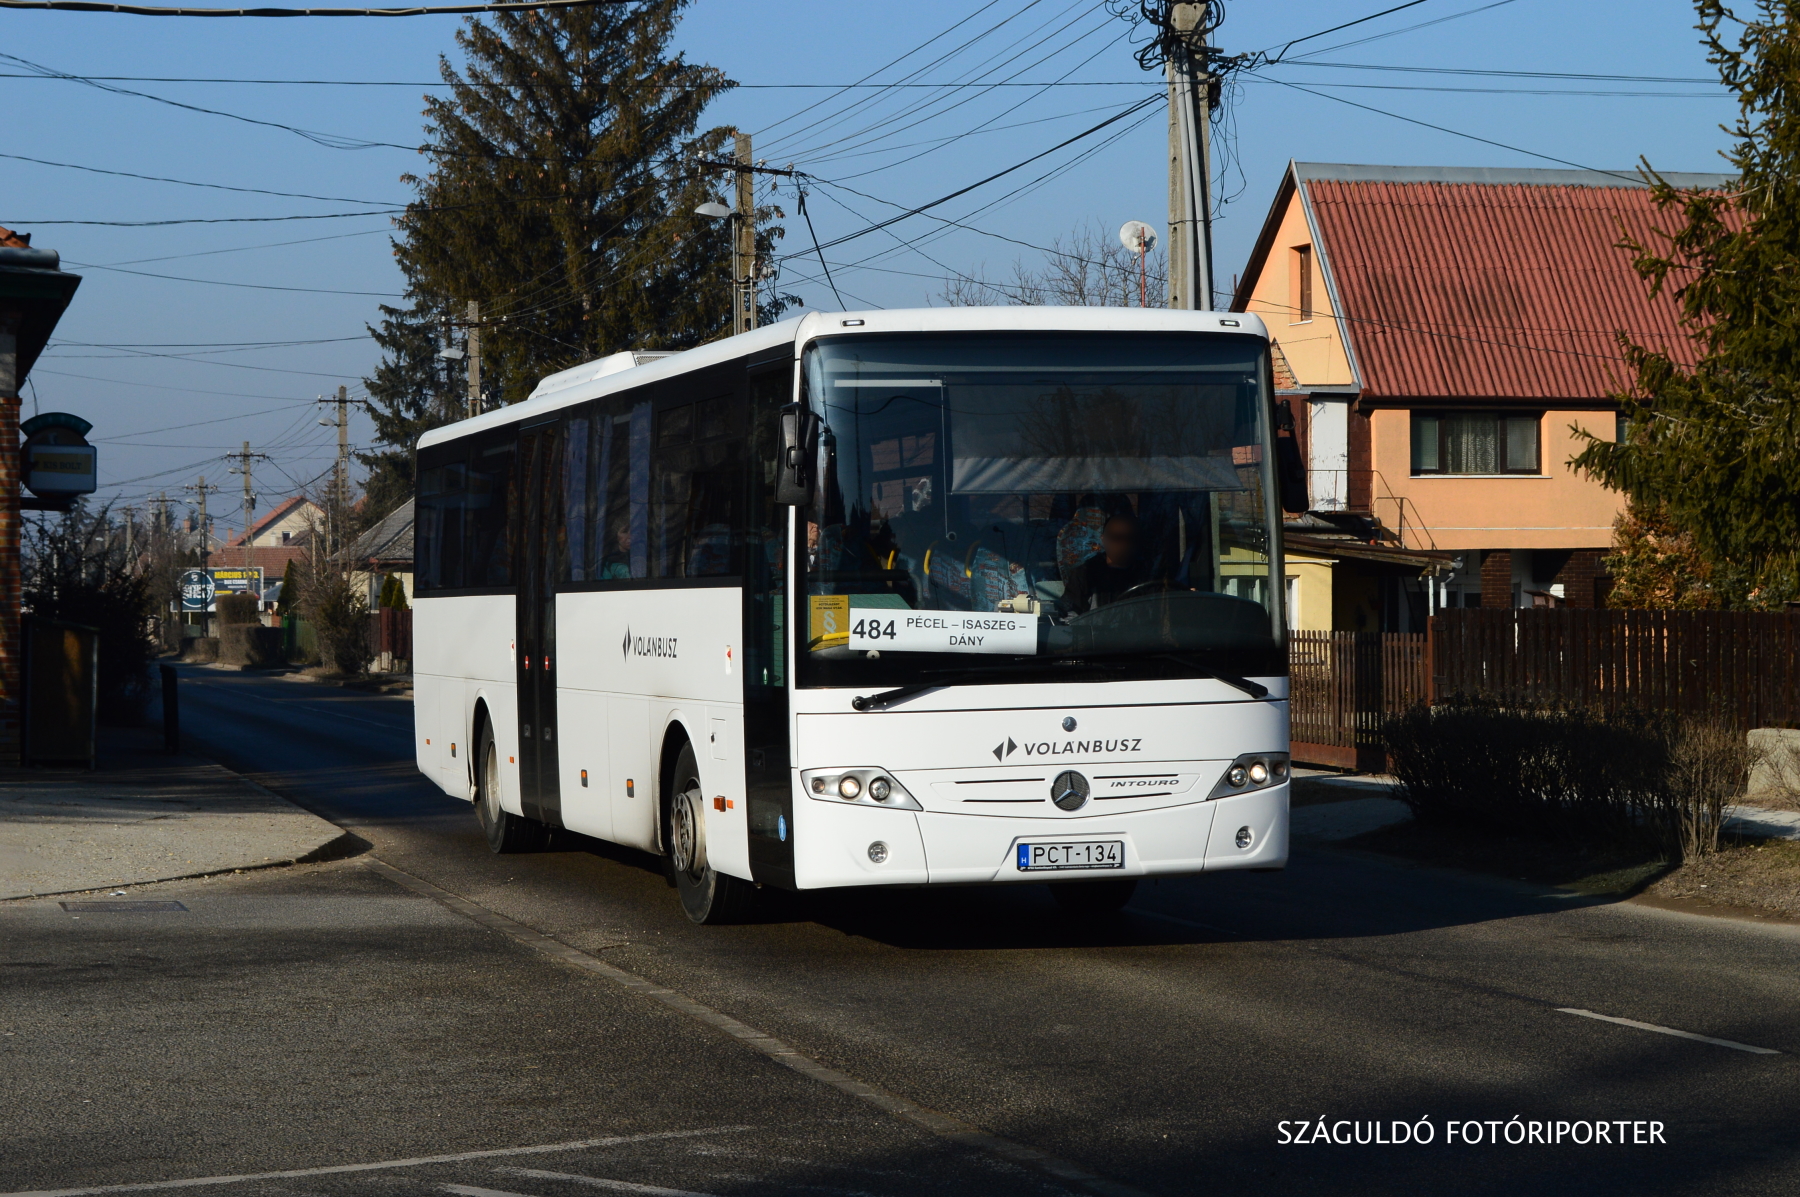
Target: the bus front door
pixel 537 515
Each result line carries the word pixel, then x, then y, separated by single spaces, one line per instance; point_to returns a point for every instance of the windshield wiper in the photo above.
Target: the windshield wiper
pixel 1254 689
pixel 945 677
pixel 874 702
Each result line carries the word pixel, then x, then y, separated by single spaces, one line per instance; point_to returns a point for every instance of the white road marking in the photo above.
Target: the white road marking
pixel 416 1162
pixel 943 1125
pixel 622 1186
pixel 1733 1044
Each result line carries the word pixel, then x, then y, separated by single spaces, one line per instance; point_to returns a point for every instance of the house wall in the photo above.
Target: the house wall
pixel 293 523
pixel 1310 591
pixel 1314 350
pixel 1559 509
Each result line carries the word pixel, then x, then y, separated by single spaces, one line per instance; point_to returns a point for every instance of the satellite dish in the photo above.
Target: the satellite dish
pixel 1137 236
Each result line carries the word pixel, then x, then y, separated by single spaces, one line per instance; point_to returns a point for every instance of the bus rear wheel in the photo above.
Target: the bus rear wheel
pixel 707 896
pixel 1090 899
pixel 506 832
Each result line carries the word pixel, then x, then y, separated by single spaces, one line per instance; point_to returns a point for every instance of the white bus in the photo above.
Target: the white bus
pixel 895 598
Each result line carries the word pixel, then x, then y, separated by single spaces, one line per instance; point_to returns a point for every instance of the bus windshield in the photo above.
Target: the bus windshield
pixel 1029 507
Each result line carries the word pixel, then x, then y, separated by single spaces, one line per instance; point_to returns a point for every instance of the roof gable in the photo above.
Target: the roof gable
pixel 1474 284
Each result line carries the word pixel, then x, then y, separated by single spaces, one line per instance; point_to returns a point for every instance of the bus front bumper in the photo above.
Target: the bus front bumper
pixel 837 845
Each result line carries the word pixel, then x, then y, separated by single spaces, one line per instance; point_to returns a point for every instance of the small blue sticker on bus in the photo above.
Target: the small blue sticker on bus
pixel 1024 856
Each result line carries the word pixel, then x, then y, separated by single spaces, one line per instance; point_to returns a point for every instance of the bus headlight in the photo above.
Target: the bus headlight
pixel 864 787
pixel 1251 772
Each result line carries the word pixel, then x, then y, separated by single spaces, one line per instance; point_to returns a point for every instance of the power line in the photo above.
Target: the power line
pixel 141 10
pixel 125 174
pixel 1276 57
pixel 1519 91
pixel 1455 16
pixel 474 83
pixel 1456 133
pixel 944 199
pixel 214 282
pixel 1427 70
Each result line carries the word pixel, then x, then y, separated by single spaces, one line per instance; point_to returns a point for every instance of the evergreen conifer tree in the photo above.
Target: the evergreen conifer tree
pixel 1712 451
pixel 412 391
pixel 565 172
pixel 290 590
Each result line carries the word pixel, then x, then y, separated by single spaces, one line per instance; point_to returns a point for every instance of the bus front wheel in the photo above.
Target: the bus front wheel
pixel 506 832
pixel 707 896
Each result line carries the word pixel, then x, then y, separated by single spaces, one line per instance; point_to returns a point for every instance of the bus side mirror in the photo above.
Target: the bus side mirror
pixel 798 449
pixel 1290 471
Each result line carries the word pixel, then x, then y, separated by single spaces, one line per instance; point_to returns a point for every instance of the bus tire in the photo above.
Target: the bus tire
pixel 1091 899
pixel 707 896
pixel 506 832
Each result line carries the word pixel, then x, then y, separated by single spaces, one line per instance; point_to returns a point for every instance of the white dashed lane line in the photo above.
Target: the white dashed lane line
pixel 458 1157
pixel 1733 1044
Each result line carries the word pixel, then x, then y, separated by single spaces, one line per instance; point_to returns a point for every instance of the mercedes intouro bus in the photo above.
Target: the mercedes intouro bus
pixel 883 598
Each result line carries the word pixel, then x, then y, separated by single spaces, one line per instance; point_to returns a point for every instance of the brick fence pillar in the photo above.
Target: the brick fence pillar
pixel 12 676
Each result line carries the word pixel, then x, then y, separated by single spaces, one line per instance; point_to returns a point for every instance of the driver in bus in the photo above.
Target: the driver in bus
pixel 1108 574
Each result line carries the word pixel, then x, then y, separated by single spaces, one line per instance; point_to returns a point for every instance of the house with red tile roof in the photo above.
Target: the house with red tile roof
pixel 1441 332
pixel 277 538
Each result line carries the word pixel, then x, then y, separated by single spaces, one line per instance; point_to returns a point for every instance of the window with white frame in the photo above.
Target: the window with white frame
pixel 1475 442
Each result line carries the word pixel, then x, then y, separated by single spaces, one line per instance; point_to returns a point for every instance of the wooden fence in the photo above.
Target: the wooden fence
pixel 1342 685
pixel 390 640
pixel 1740 667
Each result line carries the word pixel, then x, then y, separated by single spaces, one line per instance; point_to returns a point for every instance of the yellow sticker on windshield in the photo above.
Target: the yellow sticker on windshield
pixel 830 621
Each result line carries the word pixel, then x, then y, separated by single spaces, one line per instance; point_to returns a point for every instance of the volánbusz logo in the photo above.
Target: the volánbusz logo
pixel 1066 747
pixel 648 646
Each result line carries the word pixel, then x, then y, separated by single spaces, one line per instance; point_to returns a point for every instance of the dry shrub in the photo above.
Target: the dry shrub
pixel 1624 780
pixel 340 614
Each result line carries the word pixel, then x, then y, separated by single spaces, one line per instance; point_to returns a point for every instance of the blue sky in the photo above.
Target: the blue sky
pixel 168 370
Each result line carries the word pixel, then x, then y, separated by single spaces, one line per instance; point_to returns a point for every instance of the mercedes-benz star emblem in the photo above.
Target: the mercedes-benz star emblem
pixel 1070 790
pixel 1069 723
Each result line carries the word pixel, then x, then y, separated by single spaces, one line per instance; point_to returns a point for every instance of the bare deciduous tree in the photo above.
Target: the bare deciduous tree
pixel 1088 267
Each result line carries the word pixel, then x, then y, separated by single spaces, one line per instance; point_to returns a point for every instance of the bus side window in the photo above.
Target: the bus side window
pixel 699 490
pixel 622 494
pixel 575 497
pixel 491 488
pixel 765 569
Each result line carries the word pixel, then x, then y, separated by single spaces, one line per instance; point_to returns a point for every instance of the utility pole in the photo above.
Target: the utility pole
pixel 1187 66
pixel 245 457
pixel 340 474
pixel 130 539
pixel 202 490
pixel 474 357
pixel 743 243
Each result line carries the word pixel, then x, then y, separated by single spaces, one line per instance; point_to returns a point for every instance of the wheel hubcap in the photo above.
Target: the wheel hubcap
pixel 490 795
pixel 687 846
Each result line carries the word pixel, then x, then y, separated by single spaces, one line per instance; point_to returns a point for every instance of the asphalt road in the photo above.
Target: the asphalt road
pixel 352 1026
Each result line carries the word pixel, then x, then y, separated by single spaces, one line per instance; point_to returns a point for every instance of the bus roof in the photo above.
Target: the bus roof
pixel 622 371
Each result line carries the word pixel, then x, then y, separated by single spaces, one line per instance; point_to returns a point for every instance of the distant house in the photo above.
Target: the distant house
pixel 277 538
pixel 1439 331
pixel 385 549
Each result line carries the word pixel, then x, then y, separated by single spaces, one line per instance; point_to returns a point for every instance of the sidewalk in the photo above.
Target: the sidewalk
pixel 141 816
pixel 1341 807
